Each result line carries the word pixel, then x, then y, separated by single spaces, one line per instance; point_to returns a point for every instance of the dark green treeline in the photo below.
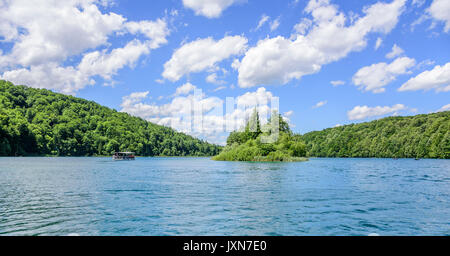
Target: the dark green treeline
pixel 41 122
pixel 420 136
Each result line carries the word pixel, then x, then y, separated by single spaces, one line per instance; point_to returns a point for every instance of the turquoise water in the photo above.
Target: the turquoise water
pixel 197 196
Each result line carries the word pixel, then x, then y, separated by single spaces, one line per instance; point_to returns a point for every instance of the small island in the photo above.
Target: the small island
pixel 272 142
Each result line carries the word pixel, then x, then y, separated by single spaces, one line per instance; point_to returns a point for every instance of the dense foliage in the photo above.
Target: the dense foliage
pixel 420 136
pixel 249 144
pixel 40 122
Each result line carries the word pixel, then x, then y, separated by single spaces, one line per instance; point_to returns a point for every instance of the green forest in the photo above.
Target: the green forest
pixel 250 144
pixel 41 122
pixel 420 136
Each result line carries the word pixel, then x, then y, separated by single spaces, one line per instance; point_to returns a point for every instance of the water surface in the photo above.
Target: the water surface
pixel 197 196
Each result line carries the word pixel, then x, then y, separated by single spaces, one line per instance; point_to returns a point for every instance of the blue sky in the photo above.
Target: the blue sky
pixel 328 62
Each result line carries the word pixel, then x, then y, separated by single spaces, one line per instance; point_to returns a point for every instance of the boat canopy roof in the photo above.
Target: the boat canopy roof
pixel 124 153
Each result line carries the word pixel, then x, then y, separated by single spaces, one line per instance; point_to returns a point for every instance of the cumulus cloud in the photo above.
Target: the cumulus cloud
pixel 374 77
pixel 262 21
pixel 275 24
pixel 45 35
pixel 185 89
pixel 378 43
pixel 55 30
pixel 320 104
pixel 51 76
pixel 302 27
pixel 278 60
pixel 106 64
pixel 134 98
pixel 202 54
pixel 219 88
pixel 70 79
pixel 337 83
pixel 212 78
pixel 155 31
pixel 209 8
pixel 396 51
pixel 444 108
pixel 438 79
pixel 363 112
pixel 197 114
pixel 440 10
pixel 289 113
pixel 235 64
pixel 418 3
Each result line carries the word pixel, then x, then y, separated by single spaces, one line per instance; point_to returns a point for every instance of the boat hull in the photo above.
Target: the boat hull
pixel 122 158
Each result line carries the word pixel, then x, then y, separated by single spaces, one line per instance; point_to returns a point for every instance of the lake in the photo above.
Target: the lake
pixel 197 196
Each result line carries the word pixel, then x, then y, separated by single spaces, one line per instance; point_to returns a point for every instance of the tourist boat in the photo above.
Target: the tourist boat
pixel 123 156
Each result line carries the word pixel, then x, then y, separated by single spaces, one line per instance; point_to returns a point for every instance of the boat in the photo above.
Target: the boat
pixel 123 156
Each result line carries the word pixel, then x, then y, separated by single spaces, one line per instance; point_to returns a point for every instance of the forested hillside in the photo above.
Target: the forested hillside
pixel 41 122
pixel 421 136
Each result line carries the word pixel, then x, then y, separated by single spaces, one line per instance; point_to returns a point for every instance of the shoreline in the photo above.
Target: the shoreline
pixel 307 158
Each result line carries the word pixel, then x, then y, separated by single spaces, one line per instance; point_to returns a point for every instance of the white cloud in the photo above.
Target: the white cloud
pixel 185 89
pixel 279 60
pixel 337 83
pixel 363 112
pixel 51 76
pixel 212 78
pixel 155 31
pixel 46 34
pixel 134 98
pixel 444 108
pixel 396 51
pixel 438 79
pixel 106 64
pixel 320 104
pixel 178 105
pixel 289 113
pixel 374 77
pixel 440 10
pixel 55 30
pixel 219 88
pixel 209 8
pixel 275 24
pixel 260 97
pixel 200 115
pixel 70 79
pixel 302 27
pixel 378 43
pixel 418 3
pixel 262 21
pixel 202 54
pixel 236 64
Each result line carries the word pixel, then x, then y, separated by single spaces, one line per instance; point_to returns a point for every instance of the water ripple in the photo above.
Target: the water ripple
pixel 197 196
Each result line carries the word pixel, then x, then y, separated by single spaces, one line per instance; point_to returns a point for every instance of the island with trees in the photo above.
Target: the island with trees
pixel 272 142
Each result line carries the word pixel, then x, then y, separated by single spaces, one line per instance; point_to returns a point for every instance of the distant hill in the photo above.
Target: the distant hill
pixel 421 136
pixel 41 122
